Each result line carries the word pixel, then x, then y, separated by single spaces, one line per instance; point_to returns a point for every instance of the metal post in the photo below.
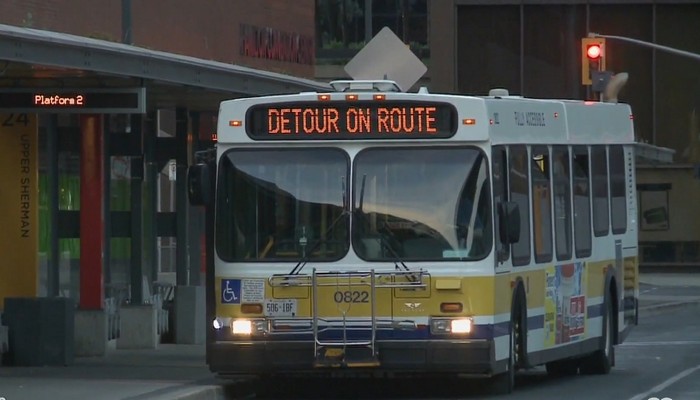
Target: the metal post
pixel 195 217
pixel 91 212
pixel 136 186
pixel 53 280
pixel 181 206
pixel 106 203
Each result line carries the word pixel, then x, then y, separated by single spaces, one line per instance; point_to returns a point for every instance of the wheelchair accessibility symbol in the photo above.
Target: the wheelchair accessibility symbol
pixel 231 291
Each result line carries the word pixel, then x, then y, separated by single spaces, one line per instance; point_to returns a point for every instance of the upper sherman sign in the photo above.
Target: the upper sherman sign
pixel 273 44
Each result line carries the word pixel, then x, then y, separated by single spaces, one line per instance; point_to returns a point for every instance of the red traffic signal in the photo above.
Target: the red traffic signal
pixel 594 51
pixel 592 58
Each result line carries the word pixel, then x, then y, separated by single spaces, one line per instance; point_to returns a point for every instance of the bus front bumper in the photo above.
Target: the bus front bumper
pixel 463 357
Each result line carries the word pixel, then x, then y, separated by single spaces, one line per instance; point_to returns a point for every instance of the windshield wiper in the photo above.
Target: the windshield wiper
pixel 302 262
pixel 382 239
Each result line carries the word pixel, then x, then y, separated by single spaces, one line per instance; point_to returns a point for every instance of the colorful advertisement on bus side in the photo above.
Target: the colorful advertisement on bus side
pixel 565 303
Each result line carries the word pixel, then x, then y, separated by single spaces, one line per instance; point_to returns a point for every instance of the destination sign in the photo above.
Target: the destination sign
pixel 351 120
pixel 131 100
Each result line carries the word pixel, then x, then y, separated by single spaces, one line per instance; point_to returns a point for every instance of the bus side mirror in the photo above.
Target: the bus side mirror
pixel 509 222
pixel 199 184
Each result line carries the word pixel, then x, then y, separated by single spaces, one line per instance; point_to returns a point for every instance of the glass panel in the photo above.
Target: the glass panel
pixel 541 203
pixel 553 74
pixel 282 205
pixel 562 201
pixel 488 51
pixel 422 204
pixel 618 208
pixel 520 194
pixel 677 84
pixel 582 202
pixel 599 172
pixel 500 194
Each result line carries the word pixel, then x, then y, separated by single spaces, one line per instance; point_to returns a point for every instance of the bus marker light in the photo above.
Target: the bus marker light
pixel 255 308
pixel 379 97
pixel 234 122
pixel 324 97
pixel 450 307
pixel 469 121
pixel 350 97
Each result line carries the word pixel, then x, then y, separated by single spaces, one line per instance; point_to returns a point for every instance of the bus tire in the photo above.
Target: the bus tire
pixel 504 383
pixel 600 362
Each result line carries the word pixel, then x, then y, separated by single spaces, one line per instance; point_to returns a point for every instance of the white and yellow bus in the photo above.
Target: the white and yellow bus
pixel 368 230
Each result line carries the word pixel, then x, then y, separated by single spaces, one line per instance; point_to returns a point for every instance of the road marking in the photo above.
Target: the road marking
pixel 663 385
pixel 667 343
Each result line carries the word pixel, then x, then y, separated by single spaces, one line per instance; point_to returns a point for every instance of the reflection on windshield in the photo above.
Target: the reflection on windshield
pixel 421 204
pixel 276 204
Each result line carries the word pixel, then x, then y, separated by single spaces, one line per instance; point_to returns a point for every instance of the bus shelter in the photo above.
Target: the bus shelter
pixel 87 129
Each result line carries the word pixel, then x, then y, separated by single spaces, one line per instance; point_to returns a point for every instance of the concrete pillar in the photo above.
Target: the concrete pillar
pixel 139 327
pixel 92 213
pixel 91 336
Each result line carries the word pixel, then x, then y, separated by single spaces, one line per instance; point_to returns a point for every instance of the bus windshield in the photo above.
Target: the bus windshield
pixel 421 204
pixel 276 204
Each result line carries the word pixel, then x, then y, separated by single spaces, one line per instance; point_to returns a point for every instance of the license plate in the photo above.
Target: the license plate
pixel 281 308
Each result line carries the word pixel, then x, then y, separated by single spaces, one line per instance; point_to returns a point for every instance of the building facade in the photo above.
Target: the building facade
pixel 271 35
pixel 532 48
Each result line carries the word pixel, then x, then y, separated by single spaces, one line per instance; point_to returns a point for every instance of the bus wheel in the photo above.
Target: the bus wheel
pixel 600 362
pixel 505 383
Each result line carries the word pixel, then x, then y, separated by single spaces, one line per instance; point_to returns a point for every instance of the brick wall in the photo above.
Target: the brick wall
pixel 207 29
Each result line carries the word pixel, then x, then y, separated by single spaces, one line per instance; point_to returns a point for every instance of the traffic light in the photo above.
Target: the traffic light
pixel 592 58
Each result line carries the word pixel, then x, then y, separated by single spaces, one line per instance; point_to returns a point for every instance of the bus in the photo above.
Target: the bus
pixel 373 231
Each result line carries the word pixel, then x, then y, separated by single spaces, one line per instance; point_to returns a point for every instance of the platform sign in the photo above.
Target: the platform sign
pixel 386 57
pixel 19 203
pixel 76 100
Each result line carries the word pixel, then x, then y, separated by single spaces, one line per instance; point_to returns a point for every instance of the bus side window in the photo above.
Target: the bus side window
pixel 561 177
pixel 541 204
pixel 599 176
pixel 518 179
pixel 618 201
pixel 582 202
pixel 500 195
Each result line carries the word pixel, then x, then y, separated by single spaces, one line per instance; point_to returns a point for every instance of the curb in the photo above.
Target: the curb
pixel 193 392
pixel 659 308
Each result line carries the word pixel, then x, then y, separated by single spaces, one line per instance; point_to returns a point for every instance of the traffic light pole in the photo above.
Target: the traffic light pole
pixel 647 44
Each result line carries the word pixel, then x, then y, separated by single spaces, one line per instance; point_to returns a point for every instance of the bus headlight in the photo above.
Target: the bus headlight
pixel 247 327
pixel 451 325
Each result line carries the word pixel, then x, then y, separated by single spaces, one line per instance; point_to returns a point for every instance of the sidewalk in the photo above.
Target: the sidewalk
pixel 663 291
pixel 169 372
pixel 179 372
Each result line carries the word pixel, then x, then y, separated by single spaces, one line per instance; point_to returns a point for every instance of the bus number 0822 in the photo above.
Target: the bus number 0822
pixel 351 296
